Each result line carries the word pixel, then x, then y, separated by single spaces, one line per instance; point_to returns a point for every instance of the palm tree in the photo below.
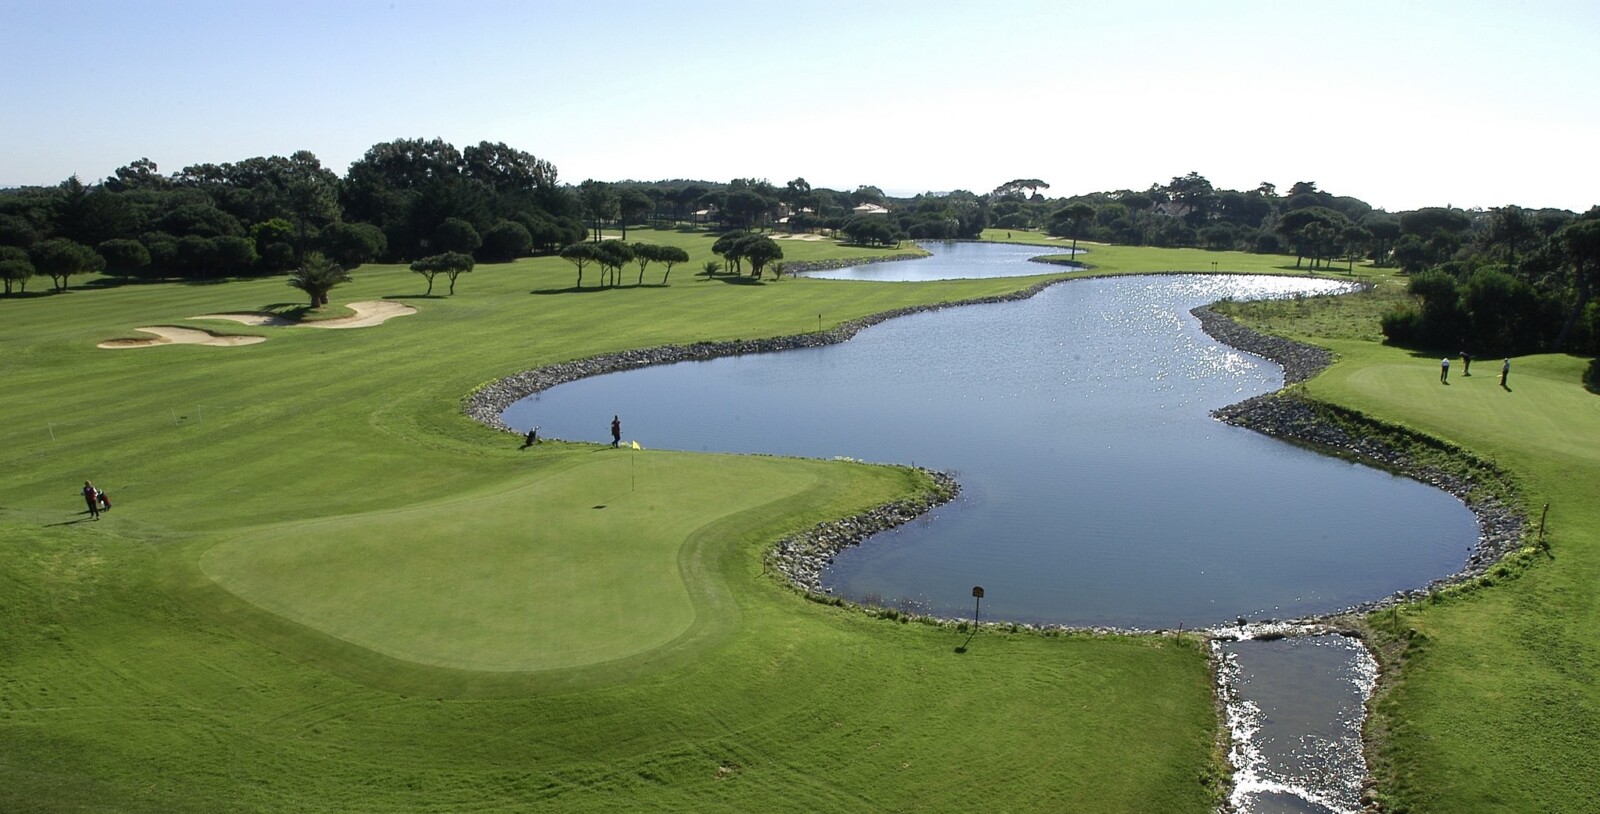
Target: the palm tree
pixel 317 276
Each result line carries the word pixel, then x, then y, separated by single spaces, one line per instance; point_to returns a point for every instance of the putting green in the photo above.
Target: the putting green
pixel 1539 409
pixel 566 568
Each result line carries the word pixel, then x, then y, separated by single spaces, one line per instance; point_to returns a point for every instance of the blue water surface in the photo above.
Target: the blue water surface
pixel 1097 489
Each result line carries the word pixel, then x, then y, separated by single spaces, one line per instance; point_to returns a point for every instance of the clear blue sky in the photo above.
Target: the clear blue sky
pixel 1403 104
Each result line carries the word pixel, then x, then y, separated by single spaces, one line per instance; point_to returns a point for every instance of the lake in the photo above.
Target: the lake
pixel 1097 489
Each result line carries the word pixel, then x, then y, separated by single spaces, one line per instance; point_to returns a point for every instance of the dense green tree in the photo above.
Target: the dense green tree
pixel 92 215
pixel 643 255
pixel 270 231
pixel 16 269
pixel 1411 254
pixel 1247 209
pixel 137 175
pixel 313 204
pixel 124 258
pixel 232 254
pixel 550 234
pixel 1502 313
pixel 669 256
pixel 200 220
pixel 1312 232
pixel 408 187
pixel 353 244
pixel 196 257
pixel 599 202
pixel 1069 221
pixel 1217 236
pixel 632 204
pixel 1385 230
pixel 1509 228
pixel 612 255
pixel 1579 244
pixel 870 230
pixel 1427 222
pixel 687 199
pixel 759 250
pixel 275 258
pixel 579 255
pixel 746 207
pixel 451 264
pixel 59 259
pixel 17 231
pixel 1356 240
pixel 318 275
pixel 456 235
pixel 1195 195
pixel 505 169
pixel 1019 186
pixel 505 241
pixel 726 247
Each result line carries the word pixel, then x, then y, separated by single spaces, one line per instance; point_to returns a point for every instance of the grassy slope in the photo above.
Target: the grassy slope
pixel 1498 708
pixel 130 681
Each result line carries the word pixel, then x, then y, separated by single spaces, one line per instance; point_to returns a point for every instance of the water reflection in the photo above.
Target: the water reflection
pixel 954 261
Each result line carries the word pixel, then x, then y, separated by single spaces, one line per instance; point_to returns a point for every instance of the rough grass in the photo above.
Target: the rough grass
pixel 422 617
pixel 1494 706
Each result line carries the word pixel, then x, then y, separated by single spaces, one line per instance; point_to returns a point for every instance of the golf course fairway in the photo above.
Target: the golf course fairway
pixel 323 588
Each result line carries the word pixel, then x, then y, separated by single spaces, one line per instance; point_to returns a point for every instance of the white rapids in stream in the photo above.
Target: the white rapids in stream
pixel 1295 707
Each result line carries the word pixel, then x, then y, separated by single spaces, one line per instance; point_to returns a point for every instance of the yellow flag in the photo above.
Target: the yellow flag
pixel 636 445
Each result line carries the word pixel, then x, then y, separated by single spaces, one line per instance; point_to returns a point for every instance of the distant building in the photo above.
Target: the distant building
pixel 870 209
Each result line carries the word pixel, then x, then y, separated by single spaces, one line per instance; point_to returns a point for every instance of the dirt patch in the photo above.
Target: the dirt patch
pixel 367 314
pixel 168 335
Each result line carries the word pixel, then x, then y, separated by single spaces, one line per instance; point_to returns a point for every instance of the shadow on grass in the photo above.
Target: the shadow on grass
pixel 588 289
pixel 84 519
pixel 962 648
pixel 403 297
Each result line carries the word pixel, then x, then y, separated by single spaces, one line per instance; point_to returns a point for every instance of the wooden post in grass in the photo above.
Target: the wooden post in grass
pixel 1542 517
pixel 977 602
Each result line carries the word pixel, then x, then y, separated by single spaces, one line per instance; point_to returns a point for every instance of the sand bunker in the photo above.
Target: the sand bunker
pixel 801 236
pixel 167 335
pixel 368 313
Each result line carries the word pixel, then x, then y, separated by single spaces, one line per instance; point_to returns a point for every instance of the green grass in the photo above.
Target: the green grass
pixel 323 588
pixel 1496 707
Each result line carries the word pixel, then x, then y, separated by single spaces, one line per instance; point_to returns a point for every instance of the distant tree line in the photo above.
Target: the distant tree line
pixel 1502 280
pixel 1516 282
pixel 403 200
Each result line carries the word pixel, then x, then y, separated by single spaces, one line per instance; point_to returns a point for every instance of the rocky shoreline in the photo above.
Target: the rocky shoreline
pixel 1345 433
pixel 802 557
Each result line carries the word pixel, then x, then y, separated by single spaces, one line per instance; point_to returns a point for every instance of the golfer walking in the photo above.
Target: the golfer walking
pixel 616 431
pixel 91 496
